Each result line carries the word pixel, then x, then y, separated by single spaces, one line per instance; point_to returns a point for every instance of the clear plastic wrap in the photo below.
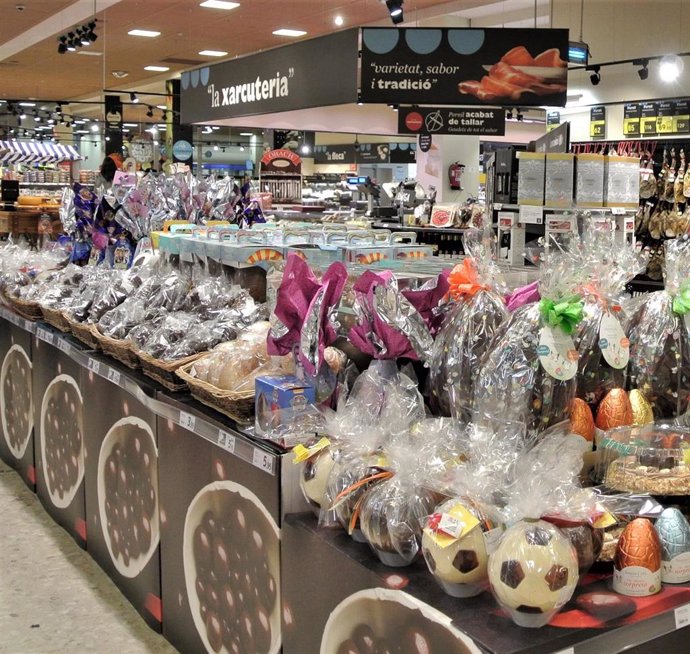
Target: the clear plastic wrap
pixel 659 332
pixel 529 373
pixel 469 327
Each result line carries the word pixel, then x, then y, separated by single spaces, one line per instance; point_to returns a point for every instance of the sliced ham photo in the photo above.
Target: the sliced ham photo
pixel 506 80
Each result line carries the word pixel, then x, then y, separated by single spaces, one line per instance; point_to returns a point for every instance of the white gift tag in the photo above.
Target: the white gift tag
pixel 614 345
pixel 557 353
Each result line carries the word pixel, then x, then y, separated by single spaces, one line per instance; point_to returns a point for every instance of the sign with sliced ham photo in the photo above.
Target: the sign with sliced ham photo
pixel 464 66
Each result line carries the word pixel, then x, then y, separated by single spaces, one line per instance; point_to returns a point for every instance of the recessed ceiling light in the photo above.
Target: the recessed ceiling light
pixel 157 69
pixel 284 31
pixel 213 53
pixel 27 104
pixel 246 133
pixel 129 124
pixel 147 33
pixel 161 106
pixel 90 53
pixel 219 4
pixel 338 20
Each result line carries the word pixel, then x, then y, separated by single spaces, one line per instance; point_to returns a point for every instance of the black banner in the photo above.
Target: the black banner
pixel 519 67
pixel 648 118
pixel 180 138
pixel 343 153
pixel 314 73
pixel 597 122
pixel 365 153
pixel 681 118
pixel 373 153
pixel 113 125
pixel 403 153
pixel 553 120
pixel 631 120
pixel 425 142
pixel 557 140
pixel 443 120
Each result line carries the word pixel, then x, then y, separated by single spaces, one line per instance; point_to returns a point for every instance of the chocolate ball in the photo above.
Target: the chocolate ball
pixel 606 606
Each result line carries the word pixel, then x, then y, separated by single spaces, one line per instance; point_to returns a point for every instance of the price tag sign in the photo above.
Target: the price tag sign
pixel 618 211
pixel 114 376
pixel 187 420
pixel 63 345
pixel 530 215
pixel 94 366
pixel 682 615
pixel 44 335
pixel 263 460
pixel 226 440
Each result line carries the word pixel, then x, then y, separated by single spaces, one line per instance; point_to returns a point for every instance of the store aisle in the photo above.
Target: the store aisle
pixel 53 596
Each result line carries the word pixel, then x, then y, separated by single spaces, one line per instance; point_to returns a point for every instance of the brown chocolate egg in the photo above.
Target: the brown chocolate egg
pixel 581 419
pixel 615 410
pixel 641 408
pixel 639 546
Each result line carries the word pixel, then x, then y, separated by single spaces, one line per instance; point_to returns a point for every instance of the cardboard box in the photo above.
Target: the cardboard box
pixel 560 175
pixel 278 398
pixel 589 180
pixel 622 182
pixel 59 406
pixel 16 400
pixel 531 178
pixel 121 457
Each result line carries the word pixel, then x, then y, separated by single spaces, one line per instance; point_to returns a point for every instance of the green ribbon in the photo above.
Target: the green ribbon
pixel 681 302
pixel 564 314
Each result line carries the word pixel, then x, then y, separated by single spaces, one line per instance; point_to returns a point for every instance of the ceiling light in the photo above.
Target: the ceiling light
pixel 509 114
pixel 27 104
pixel 129 124
pixel 149 113
pixel 246 133
pixel 670 68
pixel 91 53
pixel 520 116
pixel 338 20
pixel 644 71
pixel 22 115
pixel 164 116
pixel 157 69
pixel 305 149
pixel 241 148
pixel 284 31
pixel 125 130
pixel 62 47
pixel 395 10
pixel 133 98
pixel 94 128
pixel 219 4
pixel 595 77
pixel 215 147
pixel 213 53
pixel 148 33
pixel 71 46
pixel 578 52
pixel 161 106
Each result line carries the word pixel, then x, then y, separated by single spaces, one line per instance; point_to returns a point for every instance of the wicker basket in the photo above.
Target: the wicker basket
pixel 238 406
pixel 118 349
pixel 29 309
pixel 86 333
pixel 164 371
pixel 56 318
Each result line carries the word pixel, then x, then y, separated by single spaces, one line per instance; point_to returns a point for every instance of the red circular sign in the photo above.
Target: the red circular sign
pixel 414 121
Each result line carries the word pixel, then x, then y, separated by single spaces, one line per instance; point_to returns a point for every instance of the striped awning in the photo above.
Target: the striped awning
pixel 12 152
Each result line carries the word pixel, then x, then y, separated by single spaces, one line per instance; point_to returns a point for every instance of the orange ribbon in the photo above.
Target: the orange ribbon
pixel 591 289
pixel 464 280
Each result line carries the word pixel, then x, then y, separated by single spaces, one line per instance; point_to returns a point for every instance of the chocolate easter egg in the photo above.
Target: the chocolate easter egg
pixel 587 542
pixel 637 564
pixel 674 534
pixel 641 408
pixel 581 419
pixel 615 410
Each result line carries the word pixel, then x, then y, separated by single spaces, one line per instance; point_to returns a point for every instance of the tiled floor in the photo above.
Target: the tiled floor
pixel 53 597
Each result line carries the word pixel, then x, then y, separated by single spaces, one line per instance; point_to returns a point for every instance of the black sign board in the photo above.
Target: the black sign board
pixel 445 120
pixel 464 66
pixel 553 120
pixel 403 153
pixel 681 118
pixel 648 113
pixel 597 122
pixel 557 140
pixel 425 142
pixel 343 153
pixel 113 124
pixel 664 117
pixel 631 120
pixel 292 77
pixel 373 153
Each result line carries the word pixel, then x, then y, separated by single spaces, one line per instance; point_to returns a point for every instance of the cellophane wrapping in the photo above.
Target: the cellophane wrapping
pixel 602 365
pixel 659 332
pixel 511 381
pixel 471 322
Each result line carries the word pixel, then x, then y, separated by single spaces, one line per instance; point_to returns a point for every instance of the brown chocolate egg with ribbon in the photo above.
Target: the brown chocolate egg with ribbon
pixel 614 410
pixel 637 564
pixel 581 419
pixel 641 408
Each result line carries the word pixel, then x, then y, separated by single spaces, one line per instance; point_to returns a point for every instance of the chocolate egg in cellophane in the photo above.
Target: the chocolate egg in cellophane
pixel 533 572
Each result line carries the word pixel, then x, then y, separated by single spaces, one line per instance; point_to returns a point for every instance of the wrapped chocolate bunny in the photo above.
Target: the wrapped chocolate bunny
pixel 659 332
pixel 529 373
pixel 471 321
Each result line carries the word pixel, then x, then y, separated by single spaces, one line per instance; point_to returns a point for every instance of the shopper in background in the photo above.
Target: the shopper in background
pixel 107 173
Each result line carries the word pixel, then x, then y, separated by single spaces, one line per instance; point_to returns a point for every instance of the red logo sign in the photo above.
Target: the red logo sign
pixel 289 155
pixel 414 121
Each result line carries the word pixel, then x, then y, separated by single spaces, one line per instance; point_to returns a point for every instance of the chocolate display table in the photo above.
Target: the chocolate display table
pixel 404 605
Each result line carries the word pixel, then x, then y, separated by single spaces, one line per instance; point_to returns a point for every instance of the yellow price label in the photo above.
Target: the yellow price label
pixel 449 527
pixel 303 453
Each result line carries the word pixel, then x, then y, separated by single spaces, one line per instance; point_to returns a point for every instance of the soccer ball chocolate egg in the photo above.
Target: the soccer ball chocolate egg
pixel 314 478
pixel 533 572
pixel 459 567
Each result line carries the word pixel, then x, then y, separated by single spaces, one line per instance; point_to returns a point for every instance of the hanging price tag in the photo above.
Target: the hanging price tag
pixel 682 615
pixel 187 421
pixel 226 441
pixel 263 460
pixel 114 376
pixel 94 366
